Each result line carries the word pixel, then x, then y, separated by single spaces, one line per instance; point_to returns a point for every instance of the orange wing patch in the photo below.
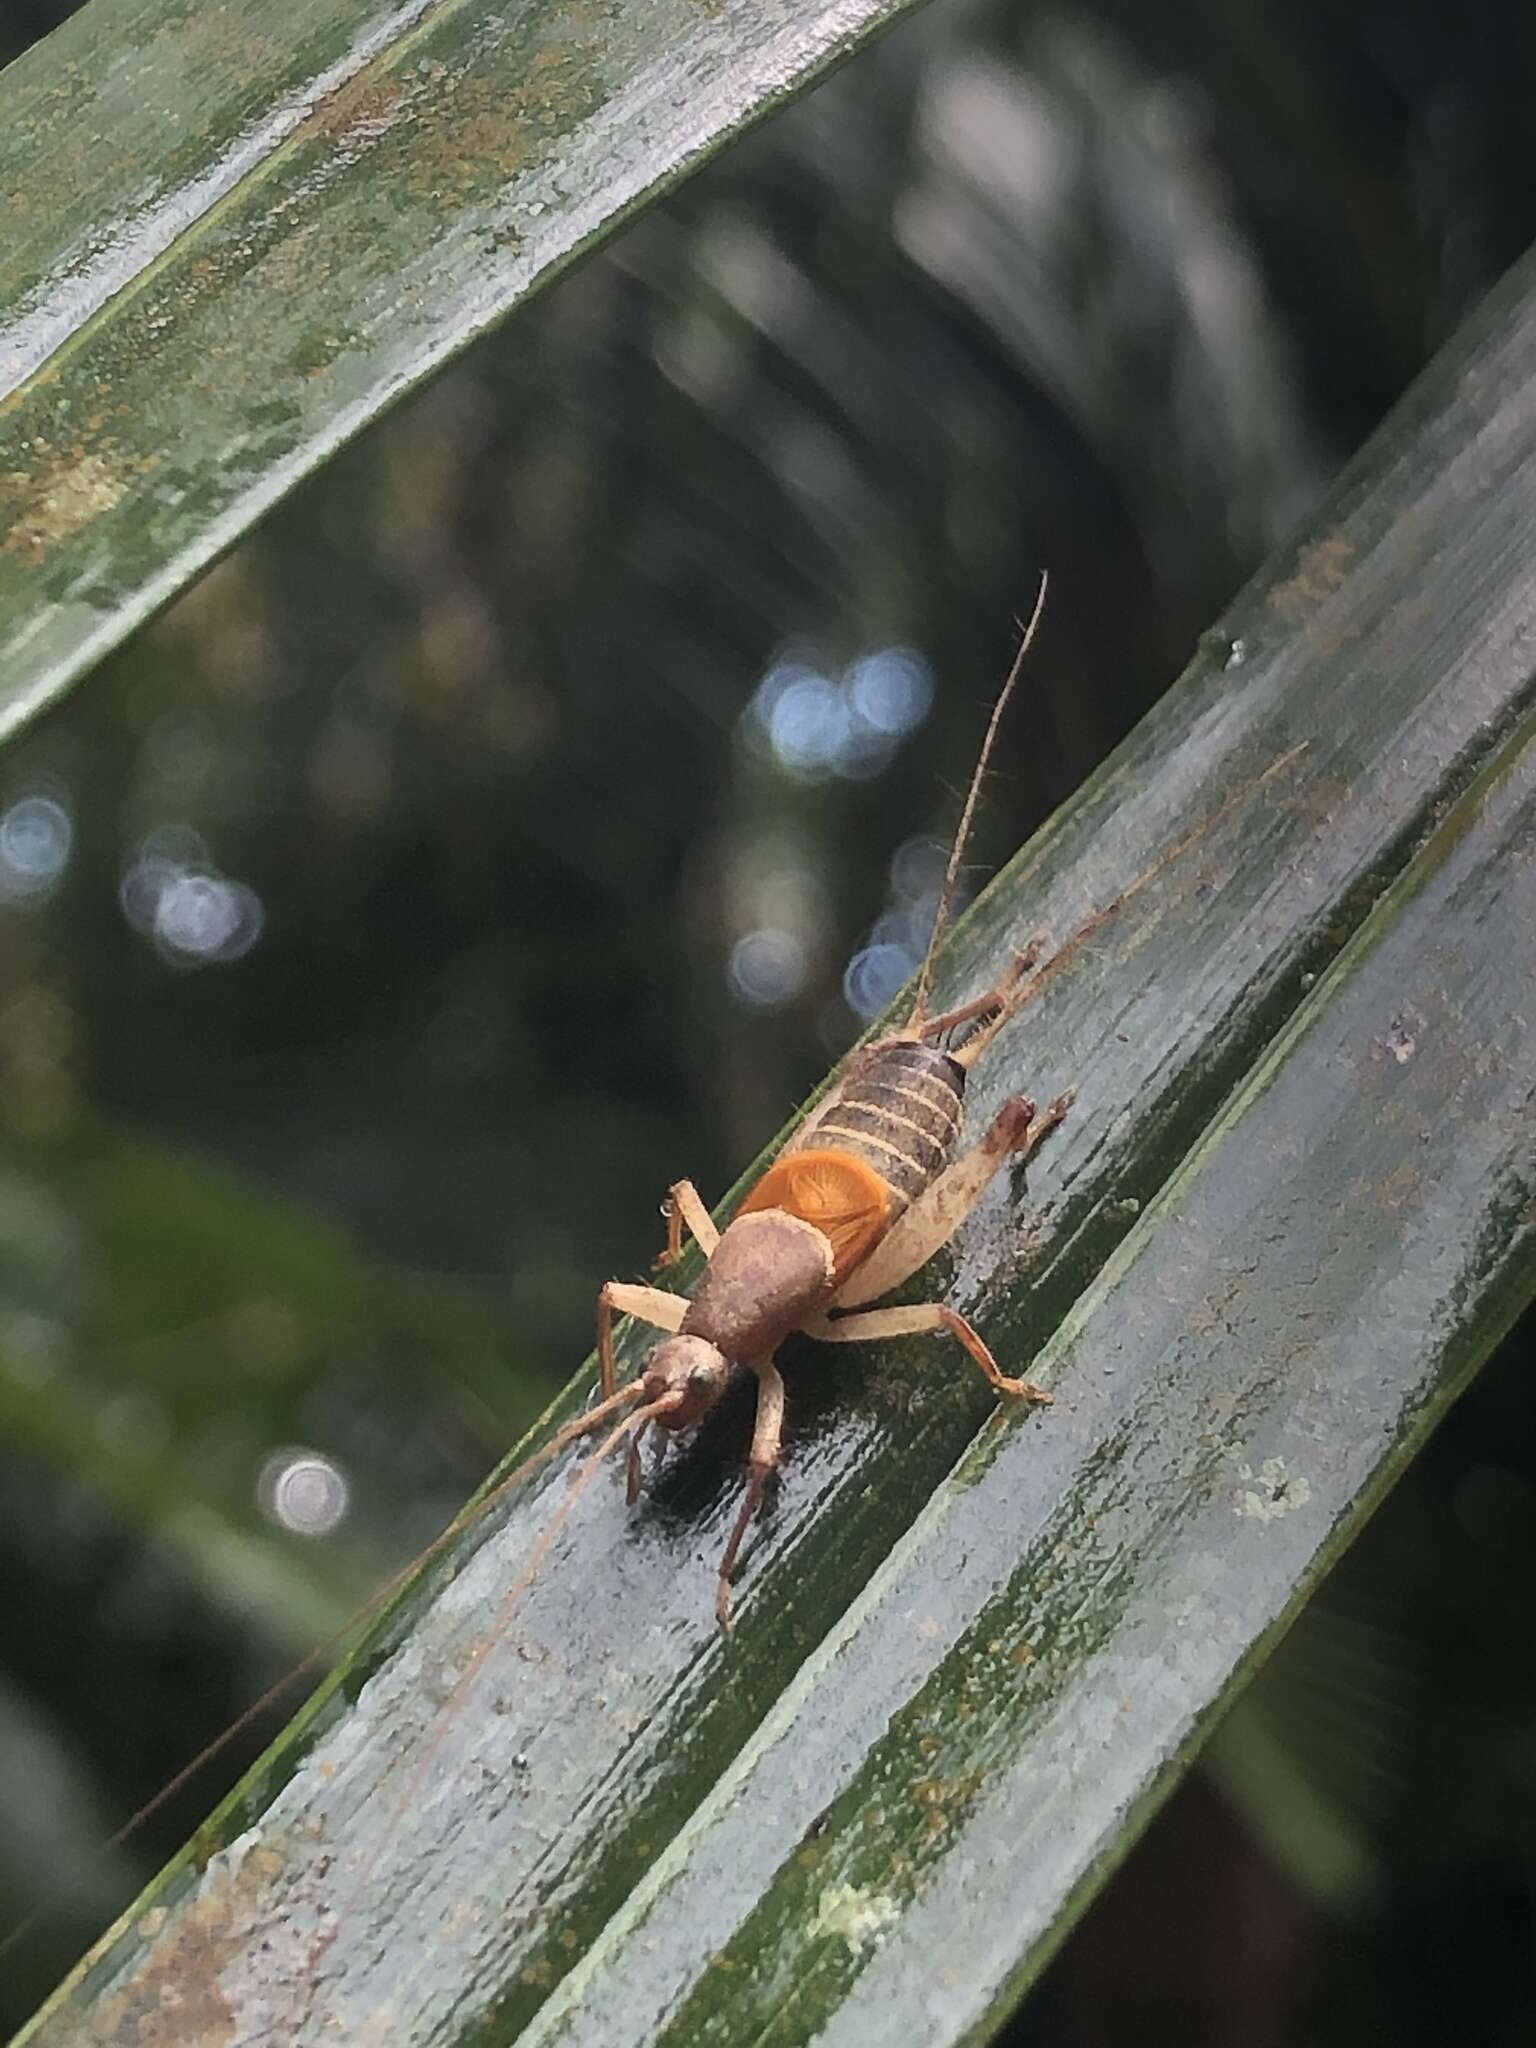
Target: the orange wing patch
pixel 844 1198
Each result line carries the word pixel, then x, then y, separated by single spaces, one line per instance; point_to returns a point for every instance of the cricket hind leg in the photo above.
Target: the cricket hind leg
pixel 869 1325
pixel 939 1211
pixel 767 1436
pixel 1041 975
pixel 986 1006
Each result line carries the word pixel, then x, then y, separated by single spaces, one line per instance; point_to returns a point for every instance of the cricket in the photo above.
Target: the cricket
pixel 860 1198
pixel 873 1183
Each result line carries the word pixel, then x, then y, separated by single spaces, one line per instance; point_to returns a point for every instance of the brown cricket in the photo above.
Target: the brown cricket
pixel 860 1197
pixel 863 1194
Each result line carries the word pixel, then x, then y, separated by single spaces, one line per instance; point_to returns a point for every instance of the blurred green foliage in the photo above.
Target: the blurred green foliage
pixel 1106 287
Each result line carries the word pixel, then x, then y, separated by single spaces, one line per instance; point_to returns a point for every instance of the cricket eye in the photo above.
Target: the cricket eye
pixel 706 1376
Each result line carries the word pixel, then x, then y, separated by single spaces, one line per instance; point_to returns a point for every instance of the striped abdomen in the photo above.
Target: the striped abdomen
pixel 900 1114
pixel 855 1168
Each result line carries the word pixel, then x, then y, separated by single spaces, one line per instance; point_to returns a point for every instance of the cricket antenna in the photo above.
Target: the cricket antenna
pixel 635 1422
pixel 1030 985
pixel 963 829
pixel 332 1646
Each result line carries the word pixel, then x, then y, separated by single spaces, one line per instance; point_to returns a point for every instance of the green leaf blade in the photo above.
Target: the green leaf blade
pixel 432 1875
pixel 1072 1608
pixel 318 209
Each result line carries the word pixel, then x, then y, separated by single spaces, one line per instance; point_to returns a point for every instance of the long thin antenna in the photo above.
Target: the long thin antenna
pixel 581 1479
pixel 963 829
pixel 1031 986
pixel 331 1647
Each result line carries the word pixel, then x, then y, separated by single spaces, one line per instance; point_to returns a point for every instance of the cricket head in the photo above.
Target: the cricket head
pixel 687 1373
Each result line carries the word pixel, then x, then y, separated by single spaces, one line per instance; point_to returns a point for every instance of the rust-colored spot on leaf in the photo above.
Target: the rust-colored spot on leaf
pixel 489 134
pixel 60 498
pixel 1400 1188
pixel 944 1800
pixel 360 111
pixel 1320 568
pixel 198 1963
pixel 176 1996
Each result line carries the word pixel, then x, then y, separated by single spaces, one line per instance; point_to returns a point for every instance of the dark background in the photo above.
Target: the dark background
pixel 453 868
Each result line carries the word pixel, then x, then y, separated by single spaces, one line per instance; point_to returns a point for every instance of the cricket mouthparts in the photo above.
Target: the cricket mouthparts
pixel 687 1373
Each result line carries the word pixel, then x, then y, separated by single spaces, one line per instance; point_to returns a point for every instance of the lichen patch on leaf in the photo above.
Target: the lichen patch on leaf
pixel 1277 1491
pixel 856 1918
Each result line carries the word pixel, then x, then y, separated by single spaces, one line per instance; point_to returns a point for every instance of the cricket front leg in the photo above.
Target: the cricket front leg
pixel 684 1208
pixel 939 1211
pixel 767 1435
pixel 652 1305
pixel 872 1324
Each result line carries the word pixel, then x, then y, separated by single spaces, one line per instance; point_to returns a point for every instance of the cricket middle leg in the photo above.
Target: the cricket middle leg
pixel 873 1323
pixel 684 1208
